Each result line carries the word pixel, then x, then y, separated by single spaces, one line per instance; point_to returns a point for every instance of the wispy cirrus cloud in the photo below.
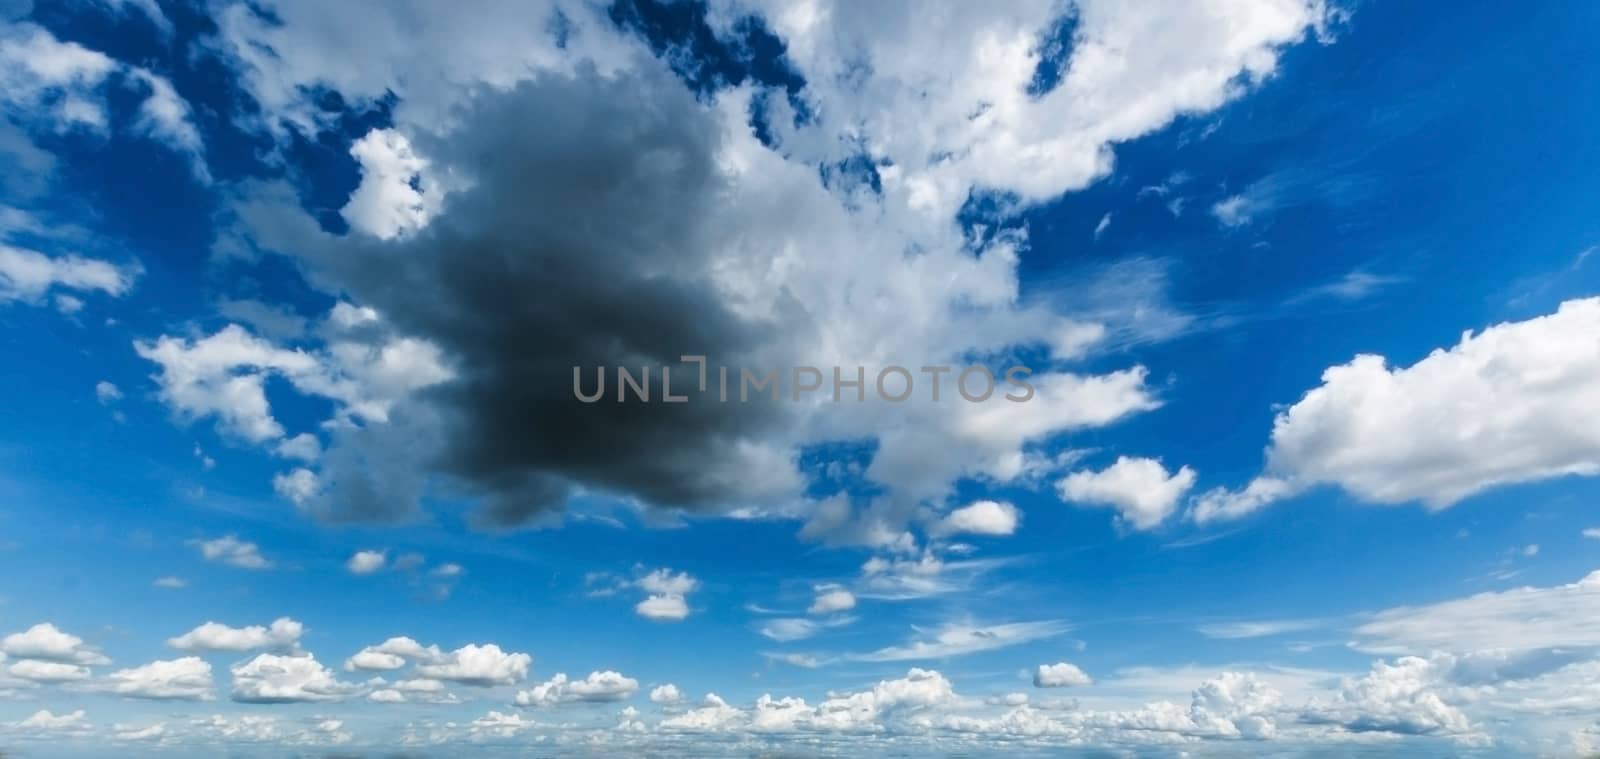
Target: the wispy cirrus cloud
pixel 962 638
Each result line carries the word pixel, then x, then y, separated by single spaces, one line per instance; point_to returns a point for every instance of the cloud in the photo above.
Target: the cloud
pixel 106 393
pixel 48 76
pixel 701 275
pixel 395 197
pixel 666 601
pixel 44 721
pixel 959 639
pixel 224 374
pixel 1239 210
pixel 27 276
pixel 268 320
pixel 907 578
pixel 166 117
pixel 60 85
pixel 275 679
pixel 188 679
pixel 831 599
pixel 663 608
pixel 45 642
pixel 785 629
pixel 1140 489
pixel 1102 226
pixel 1520 619
pixel 367 562
pixel 1130 71
pixel 447 570
pixel 980 518
pixel 47 671
pixel 482 666
pixel 1059 675
pixel 665 694
pixel 1221 504
pixel 788 629
pixel 598 687
pixel 232 551
pixel 1257 629
pixel 284 633
pixel 1390 436
pixel 1392 698
pixel 1354 285
pixel 414 690
pixel 897 700
pixel 392 654
pixel 303 447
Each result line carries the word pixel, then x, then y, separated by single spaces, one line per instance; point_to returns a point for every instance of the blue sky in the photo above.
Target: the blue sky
pixel 290 466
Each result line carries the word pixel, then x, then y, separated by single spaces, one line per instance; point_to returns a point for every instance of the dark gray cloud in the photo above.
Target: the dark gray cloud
pixel 585 239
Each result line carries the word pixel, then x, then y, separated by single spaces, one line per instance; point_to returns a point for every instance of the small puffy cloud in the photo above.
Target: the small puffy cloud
pixel 1235 210
pixel 1593 533
pixel 188 678
pixel 47 643
pixel 1140 489
pixel 482 666
pixel 663 608
pixel 666 602
pixel 1007 699
pixel 106 392
pixel 1059 675
pixel 170 582
pixel 298 485
pixel 413 690
pixel 831 599
pixel 979 518
pixel 284 633
pixel 665 694
pixel 386 696
pixel 1221 504
pixel 367 562
pixel 303 447
pixel 665 582
pixel 392 654
pixel 598 687
pixel 37 671
pixel 447 570
pixel 232 551
pixel 396 196
pixel 46 721
pixel 1392 435
pixel 27 275
pixel 275 679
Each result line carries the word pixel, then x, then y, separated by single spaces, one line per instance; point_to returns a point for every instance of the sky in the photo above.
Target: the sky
pixel 293 296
